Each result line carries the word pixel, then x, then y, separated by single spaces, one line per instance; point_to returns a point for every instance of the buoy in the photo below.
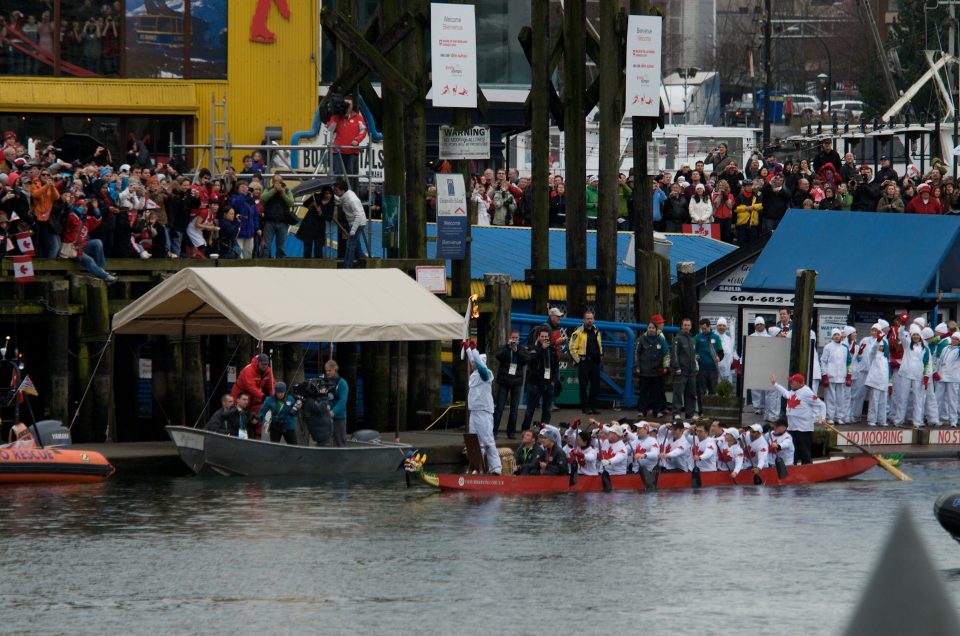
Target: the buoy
pixel 947 512
pixel 366 435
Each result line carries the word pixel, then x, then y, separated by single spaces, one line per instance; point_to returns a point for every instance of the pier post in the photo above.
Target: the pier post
pixel 375 363
pixel 540 142
pixel 574 98
pixel 498 293
pixel 688 293
pixel 58 343
pixel 800 343
pixel 97 331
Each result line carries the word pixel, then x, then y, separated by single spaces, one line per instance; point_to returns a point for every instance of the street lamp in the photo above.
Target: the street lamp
pixel 826 51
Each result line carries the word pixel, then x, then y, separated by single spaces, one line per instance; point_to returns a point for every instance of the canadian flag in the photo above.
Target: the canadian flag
pixel 23 269
pixel 705 229
pixel 25 243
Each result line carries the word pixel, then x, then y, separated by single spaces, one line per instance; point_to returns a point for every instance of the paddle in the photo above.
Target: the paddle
pixel 573 473
pixel 887 466
pixel 781 468
pixel 606 481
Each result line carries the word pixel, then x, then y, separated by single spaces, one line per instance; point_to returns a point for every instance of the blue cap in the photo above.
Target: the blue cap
pixel 281 387
pixel 747 182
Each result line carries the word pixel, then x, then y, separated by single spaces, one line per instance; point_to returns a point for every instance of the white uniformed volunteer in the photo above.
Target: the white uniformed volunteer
pixel 780 444
pixel 837 378
pixel 731 361
pixel 879 386
pixel 480 403
pixel 647 450
pixel 949 380
pixel 804 409
pixel 676 452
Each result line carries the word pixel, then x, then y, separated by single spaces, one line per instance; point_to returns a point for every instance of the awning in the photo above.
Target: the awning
pixel 860 253
pixel 292 305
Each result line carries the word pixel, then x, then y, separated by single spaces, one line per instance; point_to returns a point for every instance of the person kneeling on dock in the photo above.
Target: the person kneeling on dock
pixel 480 403
pixel 283 409
pixel 233 417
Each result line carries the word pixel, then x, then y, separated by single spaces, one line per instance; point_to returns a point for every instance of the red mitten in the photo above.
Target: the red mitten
pixel 936 377
pixel 662 371
pixel 825 379
pixel 926 381
pixel 735 364
pixel 473 344
pixel 862 347
pixel 464 344
pixel 576 423
pixel 880 338
pixel 890 390
pixel 849 380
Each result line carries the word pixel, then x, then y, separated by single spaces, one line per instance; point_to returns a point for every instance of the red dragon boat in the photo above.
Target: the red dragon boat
pixel 832 469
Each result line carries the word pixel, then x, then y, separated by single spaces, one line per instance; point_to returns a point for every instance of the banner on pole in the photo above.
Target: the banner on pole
pixel 644 59
pixel 390 227
pixel 453 55
pixel 452 218
pixel 464 143
pixel 23 269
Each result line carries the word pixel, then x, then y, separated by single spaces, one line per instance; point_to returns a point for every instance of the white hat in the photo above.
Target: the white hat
pixel 554 311
pixel 732 432
pixel 773 331
pixel 759 321
pixel 483 359
pixel 721 321
pixel 593 178
pixel 942 328
pixel 920 320
pixel 883 324
pixel 615 429
pixel 876 326
pixel 849 331
pixel 125 167
pixel 915 329
pixel 700 186
pixel 927 333
pixel 686 425
pixel 835 332
pixel 756 427
pixel 955 335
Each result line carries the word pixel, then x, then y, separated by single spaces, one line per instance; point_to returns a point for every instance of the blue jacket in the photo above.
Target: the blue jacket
pixel 704 356
pixel 284 412
pixel 339 405
pixel 246 207
pixel 659 196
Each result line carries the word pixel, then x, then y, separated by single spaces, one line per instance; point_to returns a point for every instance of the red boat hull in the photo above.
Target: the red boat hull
pixel 828 470
pixel 48 465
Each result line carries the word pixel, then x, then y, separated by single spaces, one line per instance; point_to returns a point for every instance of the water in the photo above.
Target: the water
pixel 227 556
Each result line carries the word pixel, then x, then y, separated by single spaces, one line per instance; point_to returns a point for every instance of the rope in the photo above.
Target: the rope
pixel 455 405
pixel 90 382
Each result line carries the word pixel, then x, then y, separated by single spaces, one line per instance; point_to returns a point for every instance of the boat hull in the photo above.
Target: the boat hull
pixel 52 465
pixel 828 470
pixel 212 453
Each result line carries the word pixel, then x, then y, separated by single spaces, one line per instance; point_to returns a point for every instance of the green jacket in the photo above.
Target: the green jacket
pixel 592 194
pixel 624 193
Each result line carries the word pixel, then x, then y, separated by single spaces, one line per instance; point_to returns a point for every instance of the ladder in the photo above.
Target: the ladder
pixel 216 155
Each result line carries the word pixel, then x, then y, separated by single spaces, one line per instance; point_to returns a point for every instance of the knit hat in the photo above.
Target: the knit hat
pixel 920 320
pixel 923 187
pixel 280 388
pixel 263 358
pixel 721 321
pixel 927 333
pixel 657 319
pixel 955 335
pixel 835 332
pixel 915 330
pixel 883 324
pixel 848 330
pixel 942 328
pixel 732 432
pixel 759 321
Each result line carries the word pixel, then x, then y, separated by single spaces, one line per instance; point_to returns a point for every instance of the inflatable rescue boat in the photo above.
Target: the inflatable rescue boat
pixel 44 455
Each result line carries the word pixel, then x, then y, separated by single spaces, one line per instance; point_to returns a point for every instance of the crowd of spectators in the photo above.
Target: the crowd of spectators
pixel 98 208
pixel 89 35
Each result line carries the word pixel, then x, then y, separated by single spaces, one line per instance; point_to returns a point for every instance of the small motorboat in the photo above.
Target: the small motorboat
pixel 832 469
pixel 45 456
pixel 206 452
pixel 947 512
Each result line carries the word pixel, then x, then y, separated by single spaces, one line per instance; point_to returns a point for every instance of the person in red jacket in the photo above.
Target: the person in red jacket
pixel 924 202
pixel 255 379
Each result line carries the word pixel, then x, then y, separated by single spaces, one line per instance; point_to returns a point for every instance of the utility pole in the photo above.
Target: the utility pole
pixel 540 140
pixel 575 131
pixel 767 72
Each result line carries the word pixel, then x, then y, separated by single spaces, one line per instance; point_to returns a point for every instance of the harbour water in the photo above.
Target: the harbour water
pixel 228 556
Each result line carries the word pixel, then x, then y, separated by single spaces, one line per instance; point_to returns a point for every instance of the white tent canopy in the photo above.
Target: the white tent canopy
pixel 292 305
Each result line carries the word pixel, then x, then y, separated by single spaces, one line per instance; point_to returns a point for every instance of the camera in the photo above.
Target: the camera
pixel 337 105
pixel 314 388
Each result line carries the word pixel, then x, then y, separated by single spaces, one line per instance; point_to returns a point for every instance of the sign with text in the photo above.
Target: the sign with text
pixel 877 436
pixel 433 278
pixel 703 229
pixel 453 55
pixel 464 143
pixel 945 436
pixel 452 218
pixel 371 160
pixel 644 37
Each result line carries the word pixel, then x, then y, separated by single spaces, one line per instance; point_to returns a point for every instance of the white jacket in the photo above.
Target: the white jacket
pixel 859 365
pixel 784 448
pixel 912 365
pixel 731 457
pixel 588 460
pixel 835 361
pixel 615 458
pixel 651 449
pixel 701 212
pixel 804 408
pixel 677 455
pixel 949 364
pixel 480 395
pixel 707 461
pixel 758 453
pixel 878 369
pixel 729 351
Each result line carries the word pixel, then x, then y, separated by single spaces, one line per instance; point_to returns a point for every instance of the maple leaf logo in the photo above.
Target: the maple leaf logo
pixel 793 401
pixel 608 453
pixel 725 456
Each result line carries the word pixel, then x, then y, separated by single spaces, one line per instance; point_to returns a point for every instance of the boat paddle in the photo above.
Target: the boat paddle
pixel 605 480
pixel 884 464
pixel 573 472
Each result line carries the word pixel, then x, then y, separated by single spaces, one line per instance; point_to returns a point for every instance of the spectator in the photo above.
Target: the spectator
pixel 203 221
pixel 674 211
pixel 592 197
pixel 710 352
pixel 558 206
pixel 948 198
pixel 256 380
pixel 801 193
pixel 848 171
pixel 659 196
pixel 886 171
pixel 683 364
pixel 776 202
pixel 867 191
pixel 277 217
pixel 700 208
pixel 829 200
pixel 722 202
pixel 843 195
pixel 890 200
pixel 719 158
pixel 826 155
pixel 228 233
pixel 733 177
pixel 313 227
pixel 338 401
pixel 356 222
pixel 652 362
pixel 511 365
pixel 247 216
pixel 348 131
pixel 43 195
pixel 624 196
pixel 747 206
pixel 586 350
pixel 504 200
pixel 924 202
pixel 542 369
pixel 77 244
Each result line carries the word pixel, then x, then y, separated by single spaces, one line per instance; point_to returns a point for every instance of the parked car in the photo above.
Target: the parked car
pixel 801 104
pixel 847 110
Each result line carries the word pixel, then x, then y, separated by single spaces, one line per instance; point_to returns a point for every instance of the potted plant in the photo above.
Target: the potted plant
pixel 722 405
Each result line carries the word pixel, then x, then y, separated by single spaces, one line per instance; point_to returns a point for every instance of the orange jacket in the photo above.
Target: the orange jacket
pixel 257 384
pixel 42 198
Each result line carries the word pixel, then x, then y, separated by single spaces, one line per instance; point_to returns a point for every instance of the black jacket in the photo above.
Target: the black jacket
pixel 823 158
pixel 684 354
pixel 866 197
pixel 229 422
pixel 775 204
pixel 675 210
pixel 528 459
pixel 505 357
pixel 539 360
pixel 649 355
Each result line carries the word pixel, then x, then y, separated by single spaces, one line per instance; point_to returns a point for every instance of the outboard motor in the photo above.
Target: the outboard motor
pixel 947 512
pixel 51 433
pixel 366 435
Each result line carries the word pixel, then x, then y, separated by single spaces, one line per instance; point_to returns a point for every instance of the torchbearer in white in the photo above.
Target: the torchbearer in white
pixel 480 403
pixel 731 361
pixel 948 380
pixel 804 409
pixel 835 364
pixel 931 411
pixel 879 386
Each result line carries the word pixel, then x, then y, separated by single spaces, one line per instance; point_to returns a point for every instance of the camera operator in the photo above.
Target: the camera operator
pixel 866 191
pixel 348 129
pixel 277 201
pixel 317 411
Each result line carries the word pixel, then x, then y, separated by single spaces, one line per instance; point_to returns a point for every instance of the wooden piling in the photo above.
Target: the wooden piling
pixel 194 376
pixel 688 292
pixel 346 357
pixel 415 135
pixel 58 343
pixel 574 84
pixel 497 291
pixel 126 361
pixel 399 384
pixel 392 126
pixel 611 116
pixel 801 344
pixel 375 365
pixel 540 141
pixel 97 331
pixel 165 353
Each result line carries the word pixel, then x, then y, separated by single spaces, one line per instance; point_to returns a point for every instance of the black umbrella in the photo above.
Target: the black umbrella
pixel 76 147
pixel 306 188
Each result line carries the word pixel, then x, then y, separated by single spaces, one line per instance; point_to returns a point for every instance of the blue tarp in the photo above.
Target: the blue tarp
pixel 506 250
pixel 860 253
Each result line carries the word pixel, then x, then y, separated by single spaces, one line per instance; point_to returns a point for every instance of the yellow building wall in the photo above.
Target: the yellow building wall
pixel 267 84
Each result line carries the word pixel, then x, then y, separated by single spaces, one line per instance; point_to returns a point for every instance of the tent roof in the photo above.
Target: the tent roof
pixel 292 305
pixel 859 253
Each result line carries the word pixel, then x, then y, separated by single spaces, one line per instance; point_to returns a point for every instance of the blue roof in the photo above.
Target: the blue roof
pixel 506 250
pixel 860 253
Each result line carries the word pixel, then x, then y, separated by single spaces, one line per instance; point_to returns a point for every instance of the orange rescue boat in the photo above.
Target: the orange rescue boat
pixel 25 461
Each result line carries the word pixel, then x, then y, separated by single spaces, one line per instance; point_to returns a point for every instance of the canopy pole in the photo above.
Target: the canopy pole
pixel 183 362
